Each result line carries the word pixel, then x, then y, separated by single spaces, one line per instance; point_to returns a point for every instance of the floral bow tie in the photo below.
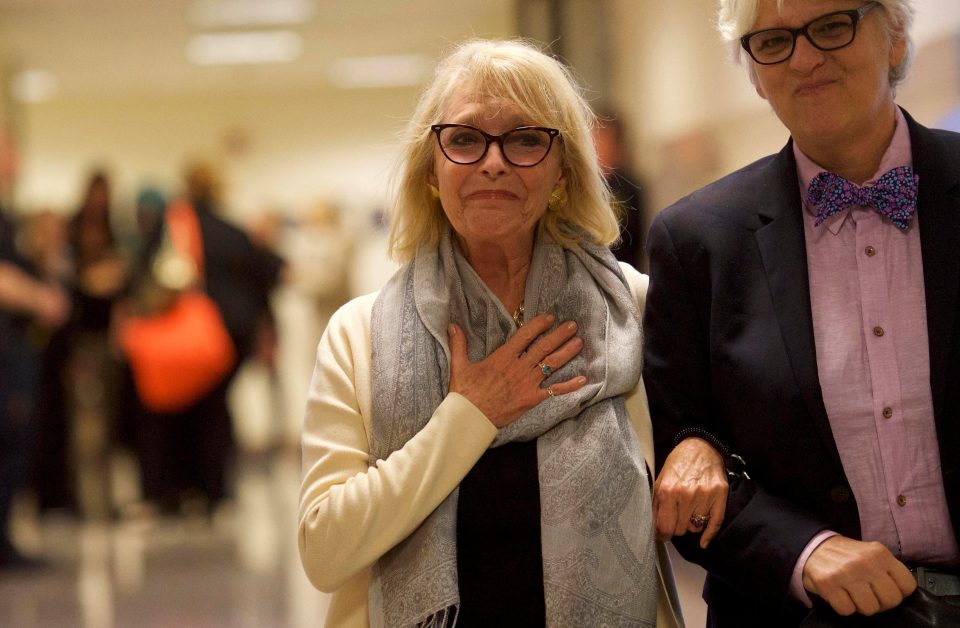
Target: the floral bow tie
pixel 894 195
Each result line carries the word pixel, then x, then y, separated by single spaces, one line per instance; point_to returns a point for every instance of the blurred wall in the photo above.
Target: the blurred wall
pixel 278 150
pixel 686 104
pixel 281 148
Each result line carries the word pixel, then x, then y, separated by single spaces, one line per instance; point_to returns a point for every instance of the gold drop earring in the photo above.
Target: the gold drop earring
pixel 558 198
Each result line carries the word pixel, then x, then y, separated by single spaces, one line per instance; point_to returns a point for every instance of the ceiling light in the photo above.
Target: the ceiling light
pixel 244 47
pixel 380 71
pixel 33 86
pixel 233 13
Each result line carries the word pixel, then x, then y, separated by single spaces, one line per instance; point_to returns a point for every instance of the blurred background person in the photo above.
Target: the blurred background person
pixel 82 387
pixel 148 216
pixel 139 243
pixel 318 248
pixel 43 242
pixel 29 309
pixel 185 456
pixel 613 153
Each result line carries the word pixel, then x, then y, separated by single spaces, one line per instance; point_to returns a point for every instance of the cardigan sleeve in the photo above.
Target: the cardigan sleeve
pixel 636 400
pixel 351 511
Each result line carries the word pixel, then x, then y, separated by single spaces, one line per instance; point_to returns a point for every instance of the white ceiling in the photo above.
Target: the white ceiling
pixel 98 48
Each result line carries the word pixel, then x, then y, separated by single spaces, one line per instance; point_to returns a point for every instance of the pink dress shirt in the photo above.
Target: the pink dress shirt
pixel 870 329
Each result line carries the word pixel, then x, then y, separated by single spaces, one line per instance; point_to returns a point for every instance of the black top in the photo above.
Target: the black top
pixel 499 557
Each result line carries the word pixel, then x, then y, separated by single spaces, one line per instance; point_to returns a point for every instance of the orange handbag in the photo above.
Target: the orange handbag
pixel 183 352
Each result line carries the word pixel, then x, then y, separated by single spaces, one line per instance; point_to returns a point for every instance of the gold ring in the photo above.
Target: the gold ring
pixel 549 391
pixel 699 521
pixel 545 369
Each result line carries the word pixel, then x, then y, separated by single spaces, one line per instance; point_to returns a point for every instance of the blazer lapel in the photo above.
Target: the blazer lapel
pixel 938 212
pixel 783 251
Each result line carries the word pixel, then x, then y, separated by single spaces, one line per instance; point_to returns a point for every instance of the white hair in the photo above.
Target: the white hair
pixel 737 18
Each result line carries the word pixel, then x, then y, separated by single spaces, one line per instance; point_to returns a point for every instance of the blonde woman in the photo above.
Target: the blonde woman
pixel 472 447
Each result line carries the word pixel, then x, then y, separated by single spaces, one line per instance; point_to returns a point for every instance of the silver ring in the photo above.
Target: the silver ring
pixel 549 391
pixel 546 370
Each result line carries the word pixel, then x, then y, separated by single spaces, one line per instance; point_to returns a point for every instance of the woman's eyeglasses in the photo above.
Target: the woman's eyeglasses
pixel 523 146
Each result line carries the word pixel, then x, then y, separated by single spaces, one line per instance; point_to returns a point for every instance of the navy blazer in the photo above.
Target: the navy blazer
pixel 729 348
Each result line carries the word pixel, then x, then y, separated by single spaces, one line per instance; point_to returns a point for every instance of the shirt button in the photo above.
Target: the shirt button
pixel 887 412
pixel 878 331
pixel 870 251
pixel 901 500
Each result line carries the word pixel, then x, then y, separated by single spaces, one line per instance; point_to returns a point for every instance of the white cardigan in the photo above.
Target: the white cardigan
pixel 352 513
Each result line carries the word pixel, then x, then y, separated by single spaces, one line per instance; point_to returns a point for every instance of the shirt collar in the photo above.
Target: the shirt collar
pixel 898 154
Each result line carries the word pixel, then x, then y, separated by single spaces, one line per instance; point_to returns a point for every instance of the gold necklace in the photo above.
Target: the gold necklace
pixel 518 315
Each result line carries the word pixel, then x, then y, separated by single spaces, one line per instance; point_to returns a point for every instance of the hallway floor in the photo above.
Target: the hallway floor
pixel 238 569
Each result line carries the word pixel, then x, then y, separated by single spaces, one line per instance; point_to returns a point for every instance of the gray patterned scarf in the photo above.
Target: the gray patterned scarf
pixel 598 551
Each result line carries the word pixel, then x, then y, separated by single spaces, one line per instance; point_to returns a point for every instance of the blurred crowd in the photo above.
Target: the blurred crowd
pixel 73 415
pixel 70 406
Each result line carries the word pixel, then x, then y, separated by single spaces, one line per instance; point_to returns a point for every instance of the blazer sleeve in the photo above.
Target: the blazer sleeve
pixel 762 535
pixel 353 510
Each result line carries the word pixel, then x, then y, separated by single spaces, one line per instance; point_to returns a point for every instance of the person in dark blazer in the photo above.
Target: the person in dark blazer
pixel 803 322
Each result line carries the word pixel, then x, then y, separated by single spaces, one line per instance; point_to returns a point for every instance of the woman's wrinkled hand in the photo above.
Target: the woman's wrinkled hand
pixel 690 494
pixel 509 381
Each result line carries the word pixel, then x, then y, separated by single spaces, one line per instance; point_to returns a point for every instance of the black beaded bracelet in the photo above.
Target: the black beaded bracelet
pixel 736 466
pixel 705 435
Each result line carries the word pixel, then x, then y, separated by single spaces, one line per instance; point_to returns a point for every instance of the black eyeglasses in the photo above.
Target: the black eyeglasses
pixel 523 146
pixel 827 32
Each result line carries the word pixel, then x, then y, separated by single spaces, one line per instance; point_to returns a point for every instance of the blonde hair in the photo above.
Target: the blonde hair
pixel 545 90
pixel 737 17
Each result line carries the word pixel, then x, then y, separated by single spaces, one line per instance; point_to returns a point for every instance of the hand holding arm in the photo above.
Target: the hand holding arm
pixel 693 481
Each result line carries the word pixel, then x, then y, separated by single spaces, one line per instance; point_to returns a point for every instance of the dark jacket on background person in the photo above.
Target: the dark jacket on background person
pixel 238 276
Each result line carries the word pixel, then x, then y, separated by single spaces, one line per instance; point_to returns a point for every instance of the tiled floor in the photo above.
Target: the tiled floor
pixel 239 569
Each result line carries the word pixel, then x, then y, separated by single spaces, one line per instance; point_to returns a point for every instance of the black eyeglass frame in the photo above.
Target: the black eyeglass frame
pixel 488 138
pixel 855 15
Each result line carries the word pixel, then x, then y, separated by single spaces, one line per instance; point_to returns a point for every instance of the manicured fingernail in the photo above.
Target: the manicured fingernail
pixel 581 380
pixel 451 329
pixel 571 326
